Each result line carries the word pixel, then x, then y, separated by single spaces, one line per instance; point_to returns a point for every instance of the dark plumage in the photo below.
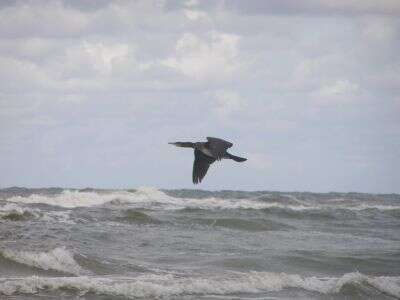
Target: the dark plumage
pixel 205 153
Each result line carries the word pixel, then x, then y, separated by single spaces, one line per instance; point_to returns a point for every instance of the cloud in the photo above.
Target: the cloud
pixel 228 103
pixel 316 7
pixel 16 75
pixel 339 87
pixel 29 49
pixel 299 7
pixel 339 92
pixel 379 29
pixel 214 57
pixel 49 19
pixel 191 3
pixel 195 15
pixel 100 56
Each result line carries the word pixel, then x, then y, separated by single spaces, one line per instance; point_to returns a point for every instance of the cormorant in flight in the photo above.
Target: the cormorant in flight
pixel 205 153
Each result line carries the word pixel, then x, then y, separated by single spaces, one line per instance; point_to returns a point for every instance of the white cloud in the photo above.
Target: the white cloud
pixel 34 49
pixel 339 87
pixel 383 6
pixel 228 103
pixel 379 29
pixel 215 57
pixel 340 91
pixel 317 7
pixel 72 97
pixel 17 75
pixel 103 57
pixel 51 18
pixel 87 64
pixel 195 15
pixel 191 3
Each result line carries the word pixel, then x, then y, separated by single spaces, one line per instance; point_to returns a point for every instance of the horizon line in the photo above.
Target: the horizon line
pixel 194 189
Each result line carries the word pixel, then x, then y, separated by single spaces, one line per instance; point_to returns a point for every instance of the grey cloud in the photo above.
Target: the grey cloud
pixel 316 7
pixel 300 7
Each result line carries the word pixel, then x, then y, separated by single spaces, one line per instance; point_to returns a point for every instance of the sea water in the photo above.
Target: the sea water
pixel 191 244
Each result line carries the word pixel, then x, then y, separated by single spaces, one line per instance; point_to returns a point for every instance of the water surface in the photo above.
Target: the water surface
pixel 190 244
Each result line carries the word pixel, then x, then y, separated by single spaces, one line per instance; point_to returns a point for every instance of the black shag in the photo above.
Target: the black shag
pixel 205 153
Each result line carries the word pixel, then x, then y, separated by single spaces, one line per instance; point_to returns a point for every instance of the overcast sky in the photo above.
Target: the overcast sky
pixel 91 92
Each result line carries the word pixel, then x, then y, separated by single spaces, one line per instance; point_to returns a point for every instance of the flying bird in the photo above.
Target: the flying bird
pixel 205 153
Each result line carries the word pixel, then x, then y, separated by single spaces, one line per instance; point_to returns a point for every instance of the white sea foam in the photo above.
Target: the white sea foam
pixel 11 209
pixel 17 213
pixel 58 259
pixel 58 216
pixel 160 286
pixel 143 197
pixel 373 206
pixel 68 199
pixel 156 199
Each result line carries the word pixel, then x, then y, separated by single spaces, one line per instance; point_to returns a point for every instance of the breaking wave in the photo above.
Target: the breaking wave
pixel 58 259
pixel 143 198
pixel 161 286
pixel 151 198
pixel 68 199
pixel 13 212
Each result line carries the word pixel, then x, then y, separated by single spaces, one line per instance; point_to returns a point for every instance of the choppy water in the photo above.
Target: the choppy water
pixel 190 244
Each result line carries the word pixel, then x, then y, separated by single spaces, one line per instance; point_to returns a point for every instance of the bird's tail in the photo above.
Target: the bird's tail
pixel 236 158
pixel 183 144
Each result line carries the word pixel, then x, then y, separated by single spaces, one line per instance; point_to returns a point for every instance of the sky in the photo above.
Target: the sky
pixel 91 92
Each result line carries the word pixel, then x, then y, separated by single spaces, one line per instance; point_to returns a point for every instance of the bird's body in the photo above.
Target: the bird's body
pixel 205 150
pixel 206 153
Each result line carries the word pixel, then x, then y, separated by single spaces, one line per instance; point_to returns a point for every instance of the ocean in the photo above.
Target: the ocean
pixel 147 243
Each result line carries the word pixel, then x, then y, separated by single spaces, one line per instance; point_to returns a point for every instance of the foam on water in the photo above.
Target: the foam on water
pixel 155 199
pixel 69 199
pixel 58 259
pixel 14 212
pixel 159 286
pixel 142 197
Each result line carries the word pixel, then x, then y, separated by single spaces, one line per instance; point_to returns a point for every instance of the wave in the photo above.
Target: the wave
pixel 161 286
pixel 142 197
pixel 137 217
pixel 14 212
pixel 67 199
pixel 58 259
pixel 243 224
pixel 151 198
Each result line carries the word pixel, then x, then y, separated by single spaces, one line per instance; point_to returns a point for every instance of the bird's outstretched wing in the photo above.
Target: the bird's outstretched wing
pixel 200 166
pixel 218 146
